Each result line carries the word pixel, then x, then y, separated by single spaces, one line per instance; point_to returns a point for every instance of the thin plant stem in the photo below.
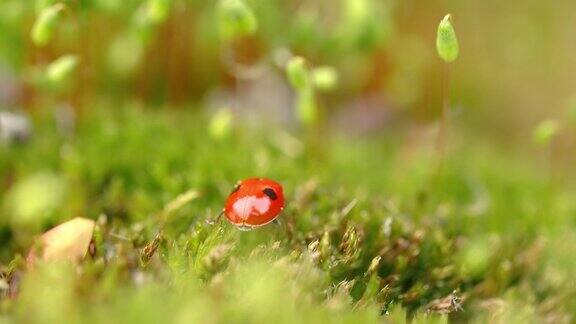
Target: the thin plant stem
pixel 237 78
pixel 443 131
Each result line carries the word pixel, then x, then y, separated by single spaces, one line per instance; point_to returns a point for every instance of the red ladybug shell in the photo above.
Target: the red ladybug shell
pixel 254 202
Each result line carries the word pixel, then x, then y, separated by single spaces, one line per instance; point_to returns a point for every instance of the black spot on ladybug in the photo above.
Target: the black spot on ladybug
pixel 270 193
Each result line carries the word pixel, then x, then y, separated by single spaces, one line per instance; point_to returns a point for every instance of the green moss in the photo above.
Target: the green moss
pixel 477 235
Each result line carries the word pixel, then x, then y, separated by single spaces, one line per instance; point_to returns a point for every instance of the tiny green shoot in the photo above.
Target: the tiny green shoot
pixel 44 26
pixel 301 79
pixel 220 125
pixel 158 10
pixel 236 19
pixel 61 69
pixel 298 73
pixel 448 50
pixel 325 78
pixel 545 131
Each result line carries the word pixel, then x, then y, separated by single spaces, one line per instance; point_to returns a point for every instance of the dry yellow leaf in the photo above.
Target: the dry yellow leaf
pixel 67 241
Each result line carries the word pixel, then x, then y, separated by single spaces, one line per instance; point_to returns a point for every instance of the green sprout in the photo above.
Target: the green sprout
pixel 545 131
pixel 236 19
pixel 300 77
pixel 221 124
pixel 44 26
pixel 325 78
pixel 158 10
pixel 448 49
pixel 60 70
pixel 306 81
pixel 125 53
pixel 149 15
pixel 298 73
pixel 365 24
pixel 446 41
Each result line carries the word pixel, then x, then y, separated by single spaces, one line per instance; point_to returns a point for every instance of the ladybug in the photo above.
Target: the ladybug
pixel 254 202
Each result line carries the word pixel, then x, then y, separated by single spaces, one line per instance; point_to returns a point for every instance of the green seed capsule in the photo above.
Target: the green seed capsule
pixel 325 78
pixel 125 53
pixel 158 10
pixel 44 26
pixel 59 70
pixel 446 41
pixel 236 19
pixel 545 131
pixel 221 124
pixel 298 73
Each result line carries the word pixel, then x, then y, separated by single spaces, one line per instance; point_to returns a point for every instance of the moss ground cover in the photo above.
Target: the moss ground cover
pixel 368 234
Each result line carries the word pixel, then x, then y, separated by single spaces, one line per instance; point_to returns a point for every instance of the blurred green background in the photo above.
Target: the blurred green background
pixel 516 65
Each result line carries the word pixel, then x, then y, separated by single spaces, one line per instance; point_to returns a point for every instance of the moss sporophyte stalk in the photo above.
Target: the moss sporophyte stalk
pixel 302 80
pixel 448 49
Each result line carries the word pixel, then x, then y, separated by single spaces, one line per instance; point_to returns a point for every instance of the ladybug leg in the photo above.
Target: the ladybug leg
pixel 215 220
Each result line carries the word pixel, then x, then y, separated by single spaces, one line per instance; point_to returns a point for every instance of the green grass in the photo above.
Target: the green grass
pixel 489 239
